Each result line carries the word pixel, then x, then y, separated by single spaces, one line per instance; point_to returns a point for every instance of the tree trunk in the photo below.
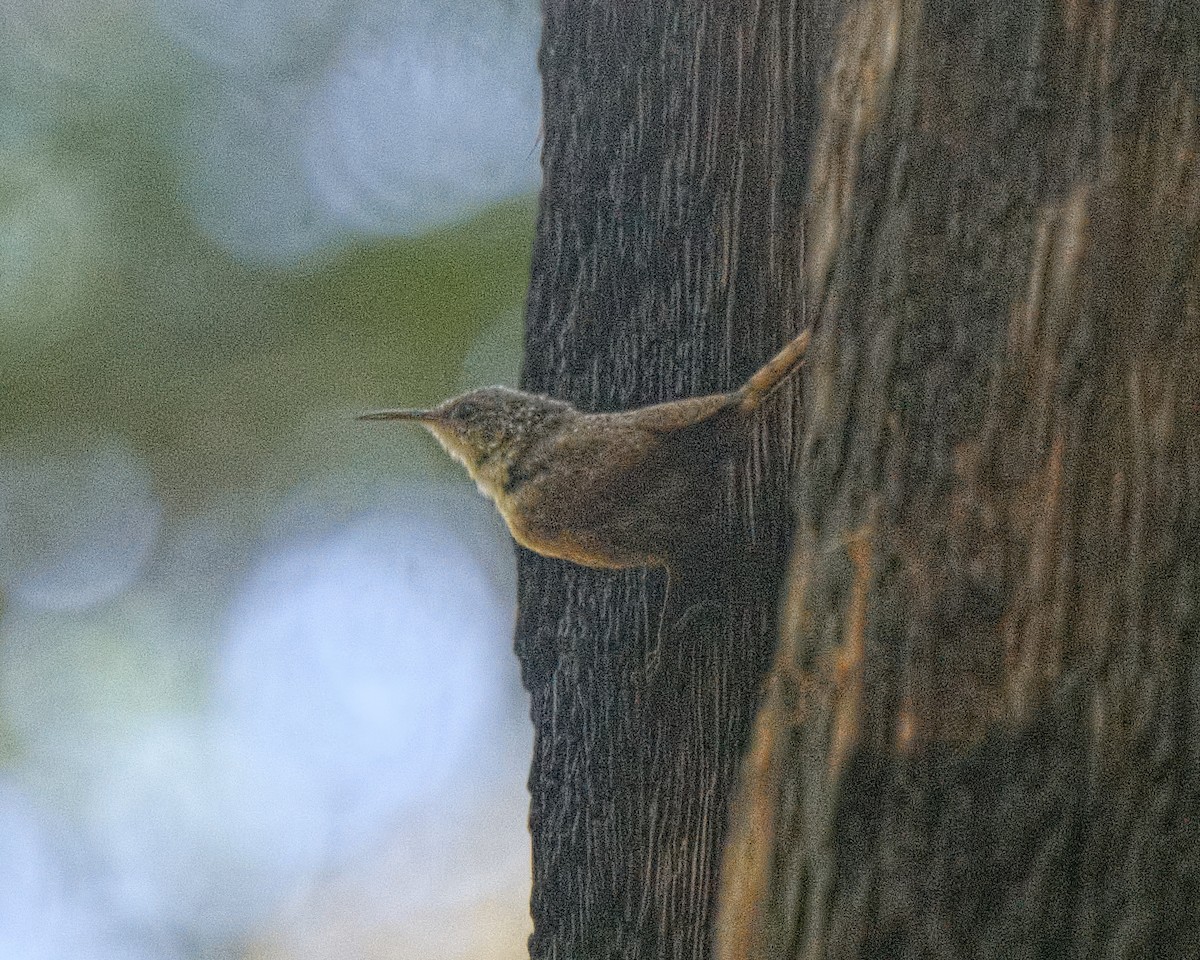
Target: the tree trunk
pixel 665 264
pixel 981 736
pixel 982 732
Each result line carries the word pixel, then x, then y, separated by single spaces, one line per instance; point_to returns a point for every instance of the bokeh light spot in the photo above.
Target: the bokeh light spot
pixel 77 522
pixel 371 656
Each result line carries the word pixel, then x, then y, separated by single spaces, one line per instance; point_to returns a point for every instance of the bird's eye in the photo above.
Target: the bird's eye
pixel 466 410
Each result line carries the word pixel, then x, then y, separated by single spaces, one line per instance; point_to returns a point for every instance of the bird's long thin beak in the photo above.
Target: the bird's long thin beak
pixel 419 415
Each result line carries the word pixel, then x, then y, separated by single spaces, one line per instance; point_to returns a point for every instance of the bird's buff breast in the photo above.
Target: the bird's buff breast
pixel 574 543
pixel 576 546
pixel 562 540
pixel 491 482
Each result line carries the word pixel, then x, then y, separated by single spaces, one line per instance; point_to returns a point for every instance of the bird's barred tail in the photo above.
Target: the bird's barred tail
pixel 773 373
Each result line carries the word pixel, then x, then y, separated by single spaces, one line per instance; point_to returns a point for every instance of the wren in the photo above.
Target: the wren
pixel 628 489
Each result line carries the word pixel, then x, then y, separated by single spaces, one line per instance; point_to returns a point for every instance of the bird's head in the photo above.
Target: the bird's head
pixel 486 430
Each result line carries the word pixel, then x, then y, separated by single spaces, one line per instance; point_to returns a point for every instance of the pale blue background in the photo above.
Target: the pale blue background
pixel 257 696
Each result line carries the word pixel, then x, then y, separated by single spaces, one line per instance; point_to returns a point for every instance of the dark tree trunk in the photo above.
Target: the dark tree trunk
pixel 666 264
pixel 981 736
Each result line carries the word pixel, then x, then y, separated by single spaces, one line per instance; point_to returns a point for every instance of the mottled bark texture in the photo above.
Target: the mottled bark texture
pixel 666 263
pixel 981 736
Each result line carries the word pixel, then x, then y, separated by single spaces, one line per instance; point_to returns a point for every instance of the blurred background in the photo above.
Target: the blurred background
pixel 257 698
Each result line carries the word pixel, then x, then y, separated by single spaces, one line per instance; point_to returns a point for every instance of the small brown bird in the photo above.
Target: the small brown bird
pixel 635 488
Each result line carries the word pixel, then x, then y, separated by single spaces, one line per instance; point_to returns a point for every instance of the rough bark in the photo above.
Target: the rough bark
pixel 665 264
pixel 981 736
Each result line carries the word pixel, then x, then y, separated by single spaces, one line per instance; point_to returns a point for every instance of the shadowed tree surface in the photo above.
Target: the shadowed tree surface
pixel 981 736
pixel 981 733
pixel 665 265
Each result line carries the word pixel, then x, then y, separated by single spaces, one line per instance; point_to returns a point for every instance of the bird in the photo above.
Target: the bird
pixel 611 490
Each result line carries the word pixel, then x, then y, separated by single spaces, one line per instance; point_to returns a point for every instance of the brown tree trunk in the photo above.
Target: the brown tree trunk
pixel 666 264
pixel 982 731
pixel 981 736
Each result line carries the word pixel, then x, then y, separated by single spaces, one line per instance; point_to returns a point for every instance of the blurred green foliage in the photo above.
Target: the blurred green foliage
pixel 212 367
pixel 133 345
